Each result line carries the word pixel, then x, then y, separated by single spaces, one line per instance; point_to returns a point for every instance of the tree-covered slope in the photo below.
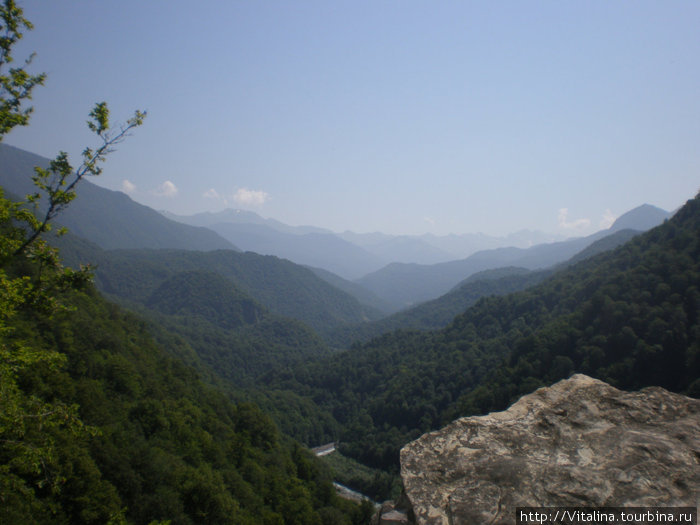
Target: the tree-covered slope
pixel 108 218
pixel 207 295
pixel 158 444
pixel 630 317
pixel 223 332
pixel 435 314
pixel 375 307
pixel 438 313
pixel 207 319
pixel 234 357
pixel 404 285
pixel 281 286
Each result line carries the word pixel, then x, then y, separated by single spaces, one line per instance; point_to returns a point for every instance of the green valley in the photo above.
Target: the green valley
pixel 154 373
pixel 628 316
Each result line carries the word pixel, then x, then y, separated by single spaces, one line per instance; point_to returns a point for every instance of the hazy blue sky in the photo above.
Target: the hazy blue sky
pixel 397 116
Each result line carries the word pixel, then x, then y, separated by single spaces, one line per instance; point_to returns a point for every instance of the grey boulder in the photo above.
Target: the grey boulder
pixel 578 443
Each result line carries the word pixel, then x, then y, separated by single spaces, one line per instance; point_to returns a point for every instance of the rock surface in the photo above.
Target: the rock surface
pixel 388 514
pixel 580 442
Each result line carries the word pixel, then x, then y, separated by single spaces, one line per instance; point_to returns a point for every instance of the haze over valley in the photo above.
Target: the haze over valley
pixel 352 263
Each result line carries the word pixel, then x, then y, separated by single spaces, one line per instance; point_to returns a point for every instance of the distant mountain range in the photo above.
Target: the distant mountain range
pixel 349 255
pixel 108 218
pixel 401 270
pixel 237 216
pixel 384 273
pixel 403 285
pixel 438 313
pixel 433 249
pixel 324 250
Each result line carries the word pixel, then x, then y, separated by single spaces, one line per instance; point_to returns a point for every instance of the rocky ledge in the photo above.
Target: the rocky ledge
pixel 578 443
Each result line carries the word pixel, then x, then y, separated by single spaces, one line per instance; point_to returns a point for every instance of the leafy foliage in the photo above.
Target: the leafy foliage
pixel 16 83
pixel 57 183
pixel 164 446
pixel 34 426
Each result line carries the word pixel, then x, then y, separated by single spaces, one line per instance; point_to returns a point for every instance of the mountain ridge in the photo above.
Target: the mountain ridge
pixel 110 219
pixel 439 312
pixel 627 316
pixel 406 284
pixel 283 287
pixel 316 249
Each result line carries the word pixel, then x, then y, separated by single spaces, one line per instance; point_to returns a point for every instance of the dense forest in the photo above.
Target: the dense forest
pixel 628 316
pixel 605 313
pixel 140 438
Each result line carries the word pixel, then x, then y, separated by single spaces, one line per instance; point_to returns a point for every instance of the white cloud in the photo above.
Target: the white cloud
pixel 211 193
pixel 242 197
pixel 246 197
pixel 429 220
pixel 167 189
pixel 578 224
pixel 128 186
pixel 607 220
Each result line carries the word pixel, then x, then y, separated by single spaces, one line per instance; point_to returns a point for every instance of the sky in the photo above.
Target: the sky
pixel 401 116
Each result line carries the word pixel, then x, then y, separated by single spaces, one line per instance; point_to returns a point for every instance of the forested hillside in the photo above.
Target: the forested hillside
pixel 109 218
pixel 101 424
pixel 206 318
pixel 147 440
pixel 629 317
pixel 405 285
pixel 283 287
pixel 233 337
pixel 438 313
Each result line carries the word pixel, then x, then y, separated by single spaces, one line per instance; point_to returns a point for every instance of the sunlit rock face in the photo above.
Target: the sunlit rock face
pixel 580 442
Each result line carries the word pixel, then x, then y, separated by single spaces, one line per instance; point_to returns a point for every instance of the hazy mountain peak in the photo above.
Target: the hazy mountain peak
pixel 641 218
pixel 207 218
pixel 239 216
